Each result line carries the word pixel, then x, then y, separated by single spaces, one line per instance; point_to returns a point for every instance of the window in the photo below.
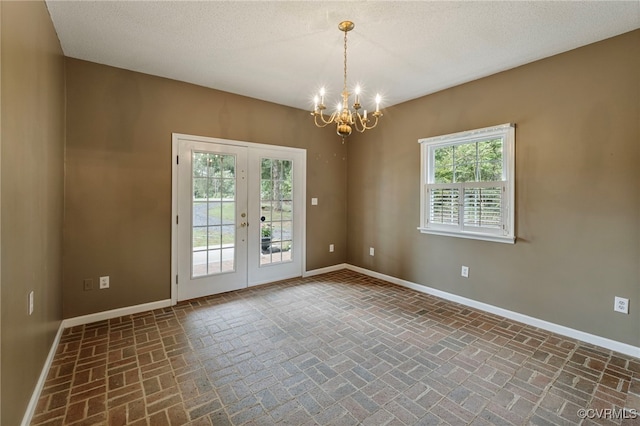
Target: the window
pixel 468 184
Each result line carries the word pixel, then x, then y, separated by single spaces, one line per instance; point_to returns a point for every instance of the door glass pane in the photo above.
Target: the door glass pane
pixel 228 213
pixel 214 216
pixel 213 265
pixel 276 229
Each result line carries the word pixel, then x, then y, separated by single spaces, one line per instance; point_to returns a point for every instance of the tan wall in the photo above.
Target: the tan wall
pixel 578 180
pixel 118 177
pixel 32 158
pixel 577 185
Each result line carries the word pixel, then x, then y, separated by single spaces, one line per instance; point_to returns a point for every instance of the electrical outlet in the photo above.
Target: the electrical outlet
pixel 464 271
pixel 620 304
pixel 372 251
pixel 104 282
pixel 87 284
pixel 30 302
pixel 331 248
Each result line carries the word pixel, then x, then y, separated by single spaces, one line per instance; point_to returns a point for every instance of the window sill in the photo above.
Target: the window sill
pixel 469 235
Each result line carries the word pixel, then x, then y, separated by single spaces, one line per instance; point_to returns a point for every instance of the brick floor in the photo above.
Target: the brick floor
pixel 335 349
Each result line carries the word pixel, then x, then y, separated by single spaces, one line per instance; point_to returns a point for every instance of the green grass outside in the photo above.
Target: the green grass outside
pixel 228 216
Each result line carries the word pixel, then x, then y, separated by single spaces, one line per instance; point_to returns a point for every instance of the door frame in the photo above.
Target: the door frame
pixel 175 138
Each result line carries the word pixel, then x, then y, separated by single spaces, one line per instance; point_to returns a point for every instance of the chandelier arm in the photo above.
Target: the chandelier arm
pixel 361 124
pixel 324 122
pixel 321 124
pixel 375 123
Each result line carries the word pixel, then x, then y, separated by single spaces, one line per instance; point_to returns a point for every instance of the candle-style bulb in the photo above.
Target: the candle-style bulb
pixel 378 102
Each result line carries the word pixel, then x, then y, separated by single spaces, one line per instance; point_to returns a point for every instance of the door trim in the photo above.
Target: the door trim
pixel 175 138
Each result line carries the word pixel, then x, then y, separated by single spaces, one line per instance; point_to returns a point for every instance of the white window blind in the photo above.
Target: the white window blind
pixel 483 206
pixel 444 204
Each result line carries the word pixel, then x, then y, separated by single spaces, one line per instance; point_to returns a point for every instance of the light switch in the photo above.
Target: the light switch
pixel 314 201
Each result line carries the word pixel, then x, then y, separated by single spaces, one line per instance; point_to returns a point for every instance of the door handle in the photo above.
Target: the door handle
pixel 243 224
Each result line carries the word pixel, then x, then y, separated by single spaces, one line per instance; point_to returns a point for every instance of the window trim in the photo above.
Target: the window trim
pixel 427 149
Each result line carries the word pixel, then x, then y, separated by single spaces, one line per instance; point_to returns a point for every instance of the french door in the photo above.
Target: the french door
pixel 238 215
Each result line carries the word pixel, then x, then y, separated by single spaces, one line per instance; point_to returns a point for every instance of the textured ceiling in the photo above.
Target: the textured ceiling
pixel 283 52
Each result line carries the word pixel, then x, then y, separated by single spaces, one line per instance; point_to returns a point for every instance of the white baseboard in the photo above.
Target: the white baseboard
pixel 114 313
pixel 613 345
pixel 325 270
pixel 33 402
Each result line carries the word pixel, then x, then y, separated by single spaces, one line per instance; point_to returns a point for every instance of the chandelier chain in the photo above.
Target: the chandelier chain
pixel 345 61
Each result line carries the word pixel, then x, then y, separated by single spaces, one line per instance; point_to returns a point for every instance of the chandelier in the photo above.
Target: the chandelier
pixel 344 117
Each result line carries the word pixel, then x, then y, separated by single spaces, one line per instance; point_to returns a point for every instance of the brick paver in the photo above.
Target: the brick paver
pixel 335 349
